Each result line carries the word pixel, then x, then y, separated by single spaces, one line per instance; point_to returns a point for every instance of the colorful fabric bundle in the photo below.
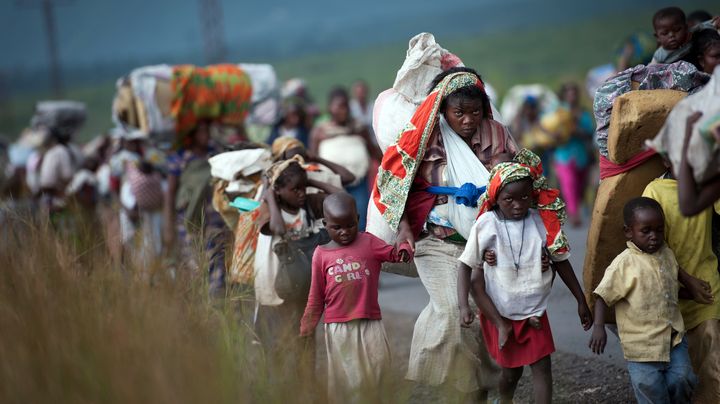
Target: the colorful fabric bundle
pixel 402 159
pixel 681 76
pixel 219 92
pixel 545 199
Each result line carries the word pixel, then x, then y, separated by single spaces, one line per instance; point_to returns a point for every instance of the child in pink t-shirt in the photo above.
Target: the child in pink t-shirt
pixel 345 277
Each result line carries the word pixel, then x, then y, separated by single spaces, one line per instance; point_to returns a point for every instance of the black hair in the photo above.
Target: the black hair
pixel 699 16
pixel 292 170
pixel 701 42
pixel 566 86
pixel 636 204
pixel 463 93
pixel 337 92
pixel 667 12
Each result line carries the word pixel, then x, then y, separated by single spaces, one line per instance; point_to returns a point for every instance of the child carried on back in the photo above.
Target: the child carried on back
pixel 514 283
pixel 674 36
pixel 345 278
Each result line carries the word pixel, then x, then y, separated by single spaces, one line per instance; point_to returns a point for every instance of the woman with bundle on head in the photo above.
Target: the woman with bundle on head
pixel 188 205
pixel 343 140
pixel 427 189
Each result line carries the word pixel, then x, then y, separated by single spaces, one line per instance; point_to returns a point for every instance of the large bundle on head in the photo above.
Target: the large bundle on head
pixel 704 146
pixel 629 108
pixel 145 98
pixel 219 93
pixel 237 174
pixel 61 117
pixel 394 107
pixel 517 96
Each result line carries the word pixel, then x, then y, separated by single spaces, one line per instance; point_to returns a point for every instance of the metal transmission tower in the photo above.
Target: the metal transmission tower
pixel 51 38
pixel 211 18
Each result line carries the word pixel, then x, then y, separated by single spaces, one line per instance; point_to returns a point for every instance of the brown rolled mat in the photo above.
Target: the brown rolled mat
pixel 636 117
pixel 606 238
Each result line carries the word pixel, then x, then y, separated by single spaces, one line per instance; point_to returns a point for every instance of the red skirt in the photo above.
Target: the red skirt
pixel 525 345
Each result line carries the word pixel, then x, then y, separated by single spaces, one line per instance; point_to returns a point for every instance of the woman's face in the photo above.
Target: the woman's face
pixel 339 109
pixel 292 119
pixel 464 115
pixel 710 58
pixel 201 137
pixel 570 95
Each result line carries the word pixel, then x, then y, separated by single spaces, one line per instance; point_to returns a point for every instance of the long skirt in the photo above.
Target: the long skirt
pixel 358 356
pixel 572 185
pixel 442 352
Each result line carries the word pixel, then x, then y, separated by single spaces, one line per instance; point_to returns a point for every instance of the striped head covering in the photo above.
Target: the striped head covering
pixel 283 144
pixel 546 200
pixel 275 170
pixel 401 160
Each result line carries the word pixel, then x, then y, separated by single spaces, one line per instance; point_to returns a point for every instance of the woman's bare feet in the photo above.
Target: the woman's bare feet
pixel 535 322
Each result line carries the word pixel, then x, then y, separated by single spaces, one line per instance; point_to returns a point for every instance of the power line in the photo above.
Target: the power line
pixel 211 19
pixel 48 10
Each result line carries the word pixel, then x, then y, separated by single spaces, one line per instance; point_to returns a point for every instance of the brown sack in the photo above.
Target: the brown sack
pixel 636 117
pixel 606 238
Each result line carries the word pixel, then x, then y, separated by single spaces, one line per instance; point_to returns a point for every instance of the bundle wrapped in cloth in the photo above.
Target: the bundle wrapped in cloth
pixel 704 146
pixel 145 98
pixel 629 109
pixel 64 117
pixel 394 107
pixel 237 173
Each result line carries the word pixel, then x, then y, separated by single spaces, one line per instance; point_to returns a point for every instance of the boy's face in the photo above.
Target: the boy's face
pixel 342 226
pixel 671 32
pixel 293 193
pixel 647 231
pixel 514 199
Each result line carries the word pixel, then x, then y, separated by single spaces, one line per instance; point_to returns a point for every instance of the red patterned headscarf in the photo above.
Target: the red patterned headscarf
pixel 546 200
pixel 402 159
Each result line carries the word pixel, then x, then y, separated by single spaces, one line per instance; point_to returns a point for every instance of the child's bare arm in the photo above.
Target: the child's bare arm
pixel 696 288
pixel 463 289
pixel 486 305
pixel 346 176
pixel 276 226
pixel 598 340
pixel 691 200
pixel 324 186
pixel 565 270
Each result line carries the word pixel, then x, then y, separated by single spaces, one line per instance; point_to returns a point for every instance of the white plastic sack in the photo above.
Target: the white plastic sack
pixel 349 151
pixel 265 93
pixel 704 150
pixel 226 166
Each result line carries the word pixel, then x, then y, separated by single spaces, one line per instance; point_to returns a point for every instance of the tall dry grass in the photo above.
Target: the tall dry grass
pixel 77 328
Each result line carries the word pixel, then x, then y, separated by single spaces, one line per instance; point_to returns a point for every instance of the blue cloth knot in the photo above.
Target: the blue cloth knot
pixel 468 194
